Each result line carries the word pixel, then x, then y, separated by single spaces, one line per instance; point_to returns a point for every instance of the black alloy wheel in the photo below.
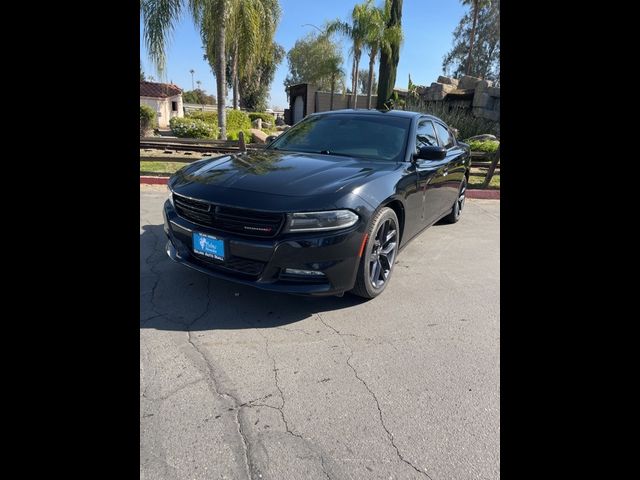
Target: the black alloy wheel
pixel 379 255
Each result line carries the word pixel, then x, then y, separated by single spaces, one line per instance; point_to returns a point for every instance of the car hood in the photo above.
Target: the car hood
pixel 279 173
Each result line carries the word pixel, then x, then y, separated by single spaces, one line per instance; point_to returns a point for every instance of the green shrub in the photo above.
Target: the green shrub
pixel 148 119
pixel 186 127
pixel 209 117
pixel 459 118
pixel 237 120
pixel 488 146
pixel 266 117
pixel 233 135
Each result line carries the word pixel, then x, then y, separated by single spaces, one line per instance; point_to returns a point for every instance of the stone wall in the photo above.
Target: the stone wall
pixel 480 96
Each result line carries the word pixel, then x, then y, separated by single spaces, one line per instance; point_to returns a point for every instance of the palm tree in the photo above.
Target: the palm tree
pixel 250 32
pixel 356 32
pixel 476 5
pixel 379 37
pixel 210 16
pixel 192 71
pixel 334 70
pixel 389 57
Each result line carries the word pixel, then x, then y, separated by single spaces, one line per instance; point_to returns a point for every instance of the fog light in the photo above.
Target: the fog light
pixel 295 271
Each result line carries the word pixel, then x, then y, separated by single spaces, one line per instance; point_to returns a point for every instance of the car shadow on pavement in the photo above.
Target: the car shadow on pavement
pixel 175 297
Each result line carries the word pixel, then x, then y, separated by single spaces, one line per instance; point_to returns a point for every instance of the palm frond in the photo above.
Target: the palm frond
pixel 159 18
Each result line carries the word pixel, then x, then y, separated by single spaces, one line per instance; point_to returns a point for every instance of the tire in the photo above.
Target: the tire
pixel 378 255
pixel 458 205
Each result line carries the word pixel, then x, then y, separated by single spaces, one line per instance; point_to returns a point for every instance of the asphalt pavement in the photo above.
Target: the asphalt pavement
pixel 237 383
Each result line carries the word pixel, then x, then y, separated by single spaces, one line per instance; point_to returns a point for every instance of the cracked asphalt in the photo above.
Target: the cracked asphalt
pixel 236 383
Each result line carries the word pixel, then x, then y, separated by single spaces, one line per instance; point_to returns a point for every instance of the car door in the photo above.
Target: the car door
pixel 431 174
pixel 454 168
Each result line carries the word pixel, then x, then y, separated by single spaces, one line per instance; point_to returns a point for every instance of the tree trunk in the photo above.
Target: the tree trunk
pixel 389 63
pixel 472 37
pixel 492 168
pixel 221 68
pixel 333 87
pixel 355 90
pixel 234 75
pixel 353 80
pixel 372 61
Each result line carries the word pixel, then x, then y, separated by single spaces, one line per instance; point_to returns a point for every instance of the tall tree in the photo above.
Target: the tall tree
pixel 379 37
pixel 210 16
pixel 311 60
pixel 475 5
pixel 141 73
pixel 252 26
pixel 198 96
pixel 357 31
pixel 389 57
pixel 363 83
pixel 254 88
pixel 486 51
pixel 333 66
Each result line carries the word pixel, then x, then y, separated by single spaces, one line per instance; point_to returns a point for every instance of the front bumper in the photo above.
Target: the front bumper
pixel 261 262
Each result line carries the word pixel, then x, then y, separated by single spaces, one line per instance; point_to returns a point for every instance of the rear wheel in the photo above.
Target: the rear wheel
pixel 379 255
pixel 454 216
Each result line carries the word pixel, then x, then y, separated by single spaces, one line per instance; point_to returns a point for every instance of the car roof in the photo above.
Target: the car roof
pixel 363 111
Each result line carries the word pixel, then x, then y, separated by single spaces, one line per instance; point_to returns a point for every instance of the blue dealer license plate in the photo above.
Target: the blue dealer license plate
pixel 208 245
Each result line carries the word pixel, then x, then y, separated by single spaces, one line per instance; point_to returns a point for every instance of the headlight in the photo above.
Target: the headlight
pixel 319 221
pixel 170 195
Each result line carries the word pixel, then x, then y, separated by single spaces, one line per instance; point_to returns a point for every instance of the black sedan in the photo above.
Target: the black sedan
pixel 324 208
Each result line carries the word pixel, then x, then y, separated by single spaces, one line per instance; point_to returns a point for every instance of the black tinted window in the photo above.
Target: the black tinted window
pixel 446 138
pixel 425 134
pixel 370 136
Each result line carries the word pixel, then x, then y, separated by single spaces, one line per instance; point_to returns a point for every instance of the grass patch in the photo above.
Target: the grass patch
pixel 476 179
pixel 160 168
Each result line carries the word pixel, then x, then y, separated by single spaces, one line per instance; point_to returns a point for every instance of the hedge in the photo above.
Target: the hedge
pixel 237 120
pixel 488 146
pixel 186 127
pixel 266 117
pixel 148 119
pixel 233 135
pixel 209 117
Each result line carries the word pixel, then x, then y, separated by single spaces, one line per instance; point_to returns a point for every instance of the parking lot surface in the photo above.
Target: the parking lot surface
pixel 238 383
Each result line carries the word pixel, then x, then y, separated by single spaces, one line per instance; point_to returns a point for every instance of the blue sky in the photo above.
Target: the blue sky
pixel 427 27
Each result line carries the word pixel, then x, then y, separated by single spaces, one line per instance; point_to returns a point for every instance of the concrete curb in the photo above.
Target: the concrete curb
pixel 483 194
pixel 153 180
pixel 471 193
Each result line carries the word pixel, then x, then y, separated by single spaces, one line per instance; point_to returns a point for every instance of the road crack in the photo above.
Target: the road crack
pixel 373 395
pixel 215 387
pixel 275 374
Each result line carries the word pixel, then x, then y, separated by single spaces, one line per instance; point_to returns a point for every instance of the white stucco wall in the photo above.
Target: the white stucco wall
pixel 163 108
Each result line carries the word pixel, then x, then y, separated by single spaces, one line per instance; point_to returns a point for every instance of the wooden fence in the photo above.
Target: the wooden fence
pixel 480 160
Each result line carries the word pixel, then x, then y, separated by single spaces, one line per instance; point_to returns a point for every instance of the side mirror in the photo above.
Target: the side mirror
pixel 431 153
pixel 270 139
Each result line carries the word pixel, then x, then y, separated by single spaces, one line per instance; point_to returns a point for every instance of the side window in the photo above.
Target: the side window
pixel 446 139
pixel 425 134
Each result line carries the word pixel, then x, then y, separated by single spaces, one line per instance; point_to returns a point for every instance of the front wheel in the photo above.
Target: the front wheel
pixel 456 211
pixel 379 255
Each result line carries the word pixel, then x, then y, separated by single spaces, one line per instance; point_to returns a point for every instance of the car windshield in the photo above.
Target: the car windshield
pixel 378 137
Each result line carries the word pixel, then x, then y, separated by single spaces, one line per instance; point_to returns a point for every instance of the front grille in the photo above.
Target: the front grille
pixel 238 265
pixel 292 278
pixel 227 219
